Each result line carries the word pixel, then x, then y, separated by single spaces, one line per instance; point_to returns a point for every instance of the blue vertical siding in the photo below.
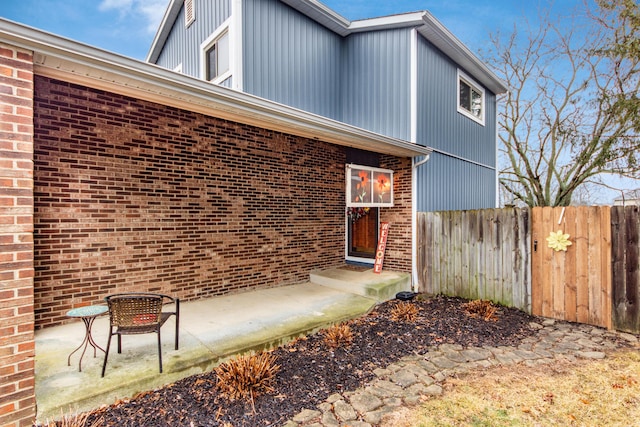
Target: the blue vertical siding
pixel 362 79
pixel 439 123
pixel 290 59
pixel 466 182
pixel 447 183
pixel 376 82
pixel 183 44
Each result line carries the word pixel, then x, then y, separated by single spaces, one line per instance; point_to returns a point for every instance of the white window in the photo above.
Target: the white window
pixel 470 98
pixel 368 186
pixel 216 56
pixel 189 13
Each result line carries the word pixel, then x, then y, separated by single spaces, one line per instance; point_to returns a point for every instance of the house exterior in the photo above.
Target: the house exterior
pixel 628 198
pixel 403 76
pixel 118 175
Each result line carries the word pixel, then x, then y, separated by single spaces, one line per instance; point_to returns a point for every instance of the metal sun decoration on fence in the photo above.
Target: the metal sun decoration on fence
pixel 558 241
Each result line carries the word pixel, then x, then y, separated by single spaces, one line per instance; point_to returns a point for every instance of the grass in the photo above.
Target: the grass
pixel 585 393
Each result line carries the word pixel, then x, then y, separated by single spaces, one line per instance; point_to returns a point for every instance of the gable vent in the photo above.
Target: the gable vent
pixel 189 12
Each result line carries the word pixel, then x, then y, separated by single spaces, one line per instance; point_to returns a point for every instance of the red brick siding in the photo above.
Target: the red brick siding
pixel 132 195
pixel 398 251
pixel 17 392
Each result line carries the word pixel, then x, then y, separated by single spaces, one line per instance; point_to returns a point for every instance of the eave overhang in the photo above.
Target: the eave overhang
pixel 425 23
pixel 67 60
pixel 443 39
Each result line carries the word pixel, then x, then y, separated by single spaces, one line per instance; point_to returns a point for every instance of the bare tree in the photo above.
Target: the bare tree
pixel 571 114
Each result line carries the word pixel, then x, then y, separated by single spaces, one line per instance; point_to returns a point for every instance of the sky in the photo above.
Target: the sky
pixel 128 27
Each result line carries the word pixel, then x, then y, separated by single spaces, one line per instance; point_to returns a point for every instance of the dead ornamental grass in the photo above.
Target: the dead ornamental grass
pixel 338 336
pixel 584 393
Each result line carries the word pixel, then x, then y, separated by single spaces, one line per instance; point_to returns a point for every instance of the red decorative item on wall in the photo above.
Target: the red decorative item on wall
pixel 382 244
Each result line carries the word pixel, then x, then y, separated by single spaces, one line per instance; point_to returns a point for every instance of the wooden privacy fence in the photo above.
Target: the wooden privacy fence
pixel 479 254
pixel 503 255
pixel 575 284
pixel 625 237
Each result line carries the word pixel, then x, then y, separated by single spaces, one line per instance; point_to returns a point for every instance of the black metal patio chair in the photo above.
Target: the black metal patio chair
pixel 139 313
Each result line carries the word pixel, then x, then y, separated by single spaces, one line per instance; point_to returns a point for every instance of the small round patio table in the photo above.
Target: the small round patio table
pixel 88 314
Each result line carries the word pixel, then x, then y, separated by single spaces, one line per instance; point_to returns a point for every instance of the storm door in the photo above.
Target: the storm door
pixel 362 233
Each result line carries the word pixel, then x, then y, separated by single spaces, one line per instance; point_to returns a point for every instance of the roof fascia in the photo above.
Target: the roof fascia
pixel 169 18
pixel 61 58
pixel 412 19
pixel 443 39
pixel 321 14
pixel 342 26
pixel 428 26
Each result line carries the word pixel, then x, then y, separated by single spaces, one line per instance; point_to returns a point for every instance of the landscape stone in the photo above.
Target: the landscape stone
pixel 392 402
pixel 427 366
pixel 329 420
pixel 380 372
pixel 326 406
pixel 409 380
pixel 387 388
pixel 334 397
pixel 526 355
pixel 375 417
pixel 587 343
pixel 344 411
pixel 365 402
pixel 591 354
pixel 628 337
pixel 450 347
pixel 444 362
pixel 357 424
pixel 433 390
pixel 508 358
pixel 306 415
pixel 404 378
pixel 456 356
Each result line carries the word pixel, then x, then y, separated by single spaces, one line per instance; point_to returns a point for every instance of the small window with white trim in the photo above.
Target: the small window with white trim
pixel 470 98
pixel 216 56
pixel 368 186
pixel 189 13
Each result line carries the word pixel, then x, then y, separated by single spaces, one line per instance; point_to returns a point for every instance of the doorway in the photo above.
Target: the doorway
pixel 362 234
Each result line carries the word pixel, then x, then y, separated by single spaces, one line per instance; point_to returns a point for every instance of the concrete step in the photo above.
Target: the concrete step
pixel 380 286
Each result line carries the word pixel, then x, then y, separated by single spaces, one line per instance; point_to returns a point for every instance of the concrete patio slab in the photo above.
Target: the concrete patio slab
pixel 211 331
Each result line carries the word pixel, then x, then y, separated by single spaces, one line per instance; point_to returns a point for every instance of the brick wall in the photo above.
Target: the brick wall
pixel 17 395
pixel 398 250
pixel 131 195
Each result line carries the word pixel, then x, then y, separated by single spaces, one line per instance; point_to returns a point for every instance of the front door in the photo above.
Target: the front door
pixel 362 234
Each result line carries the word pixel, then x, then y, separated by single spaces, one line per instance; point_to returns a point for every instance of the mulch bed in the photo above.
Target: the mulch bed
pixel 310 370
